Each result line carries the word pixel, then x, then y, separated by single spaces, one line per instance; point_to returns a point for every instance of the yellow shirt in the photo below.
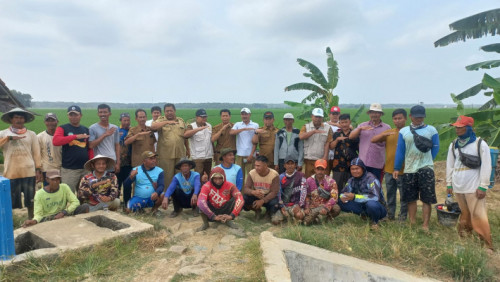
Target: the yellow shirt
pixel 391 144
pixel 171 139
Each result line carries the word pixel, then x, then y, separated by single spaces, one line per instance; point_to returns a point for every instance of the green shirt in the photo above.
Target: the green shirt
pixel 47 204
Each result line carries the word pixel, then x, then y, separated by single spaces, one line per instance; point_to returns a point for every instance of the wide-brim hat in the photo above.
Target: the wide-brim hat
pixel 225 151
pixel 110 163
pixel 375 107
pixel 29 117
pixel 185 161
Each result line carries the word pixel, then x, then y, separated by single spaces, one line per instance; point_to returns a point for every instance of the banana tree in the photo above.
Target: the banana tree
pixel 321 95
pixel 487 124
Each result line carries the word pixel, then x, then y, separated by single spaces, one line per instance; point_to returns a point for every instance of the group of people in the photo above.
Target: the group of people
pixel 308 175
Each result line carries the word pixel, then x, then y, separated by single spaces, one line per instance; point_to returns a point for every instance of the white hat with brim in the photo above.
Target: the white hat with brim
pixel 110 163
pixel 29 117
pixel 375 107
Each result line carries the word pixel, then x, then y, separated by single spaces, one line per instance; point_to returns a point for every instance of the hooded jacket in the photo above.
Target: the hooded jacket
pixel 366 187
pixel 218 197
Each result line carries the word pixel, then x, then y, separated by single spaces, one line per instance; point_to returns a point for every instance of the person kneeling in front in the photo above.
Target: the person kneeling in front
pixel 55 201
pixel 219 200
pixel 362 194
pixel 148 178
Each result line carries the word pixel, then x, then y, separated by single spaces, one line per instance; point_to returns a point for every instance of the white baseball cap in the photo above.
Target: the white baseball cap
pixel 246 110
pixel 288 115
pixel 317 112
pixel 376 107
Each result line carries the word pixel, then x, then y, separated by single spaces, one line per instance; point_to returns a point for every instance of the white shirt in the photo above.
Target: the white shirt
pixel 200 143
pixel 464 179
pixel 244 139
pixel 148 123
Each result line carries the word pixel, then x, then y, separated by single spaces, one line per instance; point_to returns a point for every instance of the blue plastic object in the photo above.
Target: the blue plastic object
pixel 7 249
pixel 494 157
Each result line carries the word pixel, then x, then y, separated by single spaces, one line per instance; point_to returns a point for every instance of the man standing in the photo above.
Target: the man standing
pixel 140 137
pixel 155 114
pixel 317 136
pixel 245 130
pixel 390 137
pixel 288 145
pixel 265 137
pixel 469 182
pixel 199 134
pixel 345 151
pixel 220 134
pixel 261 188
pixel 105 137
pixel 418 180
pixel 171 143
pixel 149 185
pixel 232 171
pixel 372 154
pixel 73 138
pixel 184 188
pixel 22 161
pixel 335 125
pixel 125 150
pixel 50 154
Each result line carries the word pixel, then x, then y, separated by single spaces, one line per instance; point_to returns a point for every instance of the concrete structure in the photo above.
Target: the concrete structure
pixel 286 260
pixel 73 232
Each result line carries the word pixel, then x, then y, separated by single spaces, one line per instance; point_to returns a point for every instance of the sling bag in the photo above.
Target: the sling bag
pixel 422 143
pixel 469 160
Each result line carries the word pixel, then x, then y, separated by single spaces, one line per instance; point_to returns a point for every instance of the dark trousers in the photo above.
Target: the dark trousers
pixel 122 175
pixel 227 208
pixel 373 209
pixel 181 200
pixel 271 206
pixel 378 172
pixel 392 185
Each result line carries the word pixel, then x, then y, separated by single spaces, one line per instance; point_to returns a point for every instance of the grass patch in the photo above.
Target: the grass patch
pixel 108 261
pixel 399 245
pixel 178 277
pixel 18 219
pixel 254 268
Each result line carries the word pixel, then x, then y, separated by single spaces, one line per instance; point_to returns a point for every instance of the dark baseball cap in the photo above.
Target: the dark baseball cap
pixel 74 109
pixel 50 115
pixel 268 114
pixel 417 111
pixel 122 115
pixel 201 113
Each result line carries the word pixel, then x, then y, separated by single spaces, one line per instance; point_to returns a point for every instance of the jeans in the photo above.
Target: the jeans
pixel 373 209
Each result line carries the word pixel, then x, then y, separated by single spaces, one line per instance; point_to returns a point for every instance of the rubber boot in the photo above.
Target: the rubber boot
pixel 205 222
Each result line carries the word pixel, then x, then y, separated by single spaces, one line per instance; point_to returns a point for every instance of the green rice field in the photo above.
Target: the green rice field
pixel 435 116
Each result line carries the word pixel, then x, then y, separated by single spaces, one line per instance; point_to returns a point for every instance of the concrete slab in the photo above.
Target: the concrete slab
pixel 73 232
pixel 286 260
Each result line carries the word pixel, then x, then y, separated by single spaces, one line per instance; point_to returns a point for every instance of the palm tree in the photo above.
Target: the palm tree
pixel 322 90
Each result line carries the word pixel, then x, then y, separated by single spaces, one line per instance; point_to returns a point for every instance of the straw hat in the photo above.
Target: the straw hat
pixel 29 117
pixel 110 163
pixel 185 161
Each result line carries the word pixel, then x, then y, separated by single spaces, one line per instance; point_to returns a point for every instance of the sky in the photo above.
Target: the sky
pixel 236 51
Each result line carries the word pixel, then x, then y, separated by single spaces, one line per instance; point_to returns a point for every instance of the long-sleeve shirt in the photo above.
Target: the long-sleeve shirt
pixel 89 190
pixel 75 152
pixel 288 144
pixel 218 198
pixel 143 186
pixel 22 156
pixel 413 158
pixel 51 203
pixel 187 185
pixel 268 183
pixel 464 179
pixel 367 188
pixel 293 189
pixel 314 200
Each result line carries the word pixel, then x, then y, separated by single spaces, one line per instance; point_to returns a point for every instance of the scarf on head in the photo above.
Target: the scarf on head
pixel 467 138
pixel 17 130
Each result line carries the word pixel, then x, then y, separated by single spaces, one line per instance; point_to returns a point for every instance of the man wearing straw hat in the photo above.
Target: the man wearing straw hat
pixel 99 188
pixel 22 161
pixel 55 201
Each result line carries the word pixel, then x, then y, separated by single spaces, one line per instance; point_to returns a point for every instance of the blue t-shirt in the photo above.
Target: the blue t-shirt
pixel 234 174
